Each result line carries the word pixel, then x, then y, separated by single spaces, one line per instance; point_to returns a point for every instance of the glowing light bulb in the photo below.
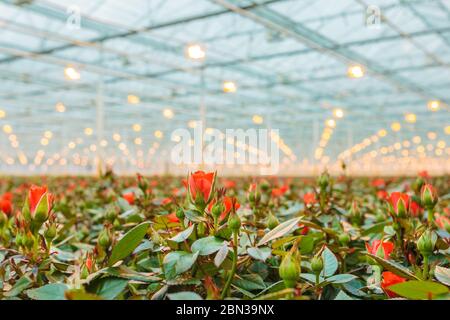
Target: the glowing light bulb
pixel 257 119
pixel 434 105
pixel 168 113
pixel 158 134
pixel 229 87
pixel 396 126
pixel 137 127
pixel 195 51
pixel 71 73
pixel 88 131
pixel 2 114
pixel 60 107
pixel 48 134
pixel 7 128
pixel 116 137
pixel 382 133
pixel 133 99
pixel 331 123
pixel 355 71
pixel 338 113
pixel 410 118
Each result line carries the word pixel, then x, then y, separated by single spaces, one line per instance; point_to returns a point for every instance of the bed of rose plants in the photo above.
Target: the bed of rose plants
pixel 207 237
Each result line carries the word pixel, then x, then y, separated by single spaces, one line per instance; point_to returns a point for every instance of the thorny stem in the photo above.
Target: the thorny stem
pixel 425 267
pixel 233 268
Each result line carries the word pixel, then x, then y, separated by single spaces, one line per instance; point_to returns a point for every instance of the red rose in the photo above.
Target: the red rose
pixel 278 192
pixel 378 183
pixel 378 248
pixel 129 197
pixel 382 194
pixel 309 198
pixel 228 205
pixel 415 209
pixel 399 203
pixel 6 203
pixel 36 196
pixel 166 201
pixel 201 184
pixel 173 217
pixel 390 279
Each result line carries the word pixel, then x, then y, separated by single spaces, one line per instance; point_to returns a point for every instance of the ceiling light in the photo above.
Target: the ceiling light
pixel 410 118
pixel 71 73
pixel 7 128
pixel 434 105
pixel 195 51
pixel 133 99
pixel 2 114
pixel 229 87
pixel 158 134
pixel 396 126
pixel 331 123
pixel 257 119
pixel 168 113
pixel 338 113
pixel 88 131
pixel 60 107
pixel 137 127
pixel 355 71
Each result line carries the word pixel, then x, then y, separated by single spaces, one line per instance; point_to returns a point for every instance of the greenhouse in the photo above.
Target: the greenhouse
pixel 224 149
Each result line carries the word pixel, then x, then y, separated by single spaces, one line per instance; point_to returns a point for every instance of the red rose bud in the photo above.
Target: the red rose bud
pixel 382 194
pixel 428 196
pixel 201 188
pixel 390 279
pixel 6 203
pixel 39 204
pixel 309 198
pixel 129 197
pixel 380 249
pixel 399 204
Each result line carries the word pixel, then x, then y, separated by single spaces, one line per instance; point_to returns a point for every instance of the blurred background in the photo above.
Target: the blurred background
pixel 96 83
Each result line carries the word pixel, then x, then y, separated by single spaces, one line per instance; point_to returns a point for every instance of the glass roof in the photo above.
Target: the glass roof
pixel 295 65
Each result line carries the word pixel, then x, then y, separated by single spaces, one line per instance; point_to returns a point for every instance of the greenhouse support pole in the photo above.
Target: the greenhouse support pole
pixel 99 125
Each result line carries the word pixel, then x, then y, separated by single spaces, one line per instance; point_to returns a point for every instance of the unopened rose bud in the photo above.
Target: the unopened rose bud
pixel 217 210
pixel 426 243
pixel 28 240
pixel 180 213
pixel 272 221
pixel 418 184
pixel 344 239
pixel 264 185
pixel 111 215
pixel 3 219
pixel 428 196
pixel 104 240
pixel 317 264
pixel 50 233
pixel 323 180
pixel 290 269
pixel 234 223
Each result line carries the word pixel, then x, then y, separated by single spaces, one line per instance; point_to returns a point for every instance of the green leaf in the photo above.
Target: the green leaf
pixel 376 228
pixel 343 296
pixel 250 282
pixel 52 291
pixel 206 246
pixel 341 278
pixel 110 288
pixel 394 267
pixel 419 290
pixel 194 216
pixel 259 253
pixel 279 231
pixel 21 284
pixel 330 263
pixel 311 277
pixel 184 295
pixel 221 255
pixel 442 274
pixel 128 243
pixel 179 262
pixel 183 235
